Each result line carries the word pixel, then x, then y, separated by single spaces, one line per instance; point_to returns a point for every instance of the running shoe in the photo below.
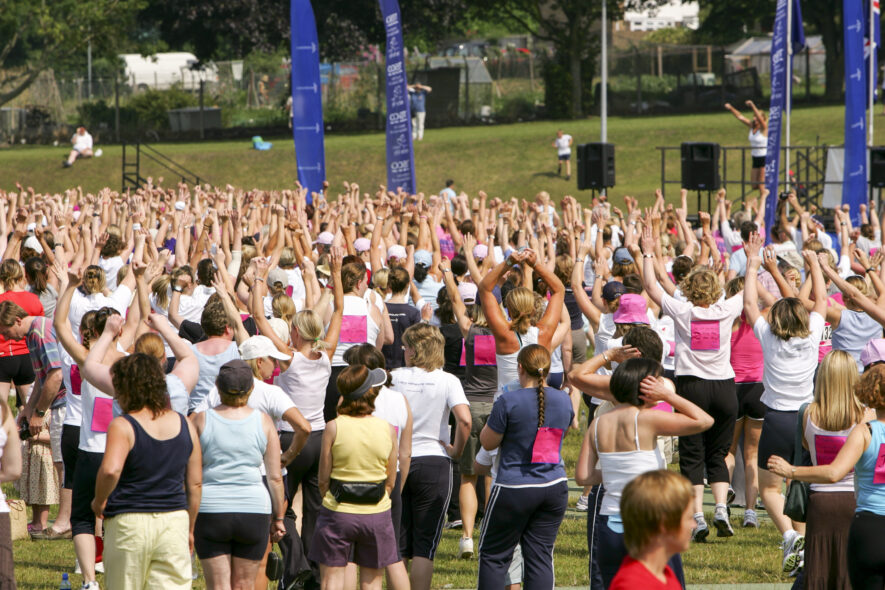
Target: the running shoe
pixel 730 497
pixel 799 567
pixel 750 519
pixel 454 524
pixel 720 521
pixel 792 550
pixel 583 504
pixel 465 548
pixel 700 534
pixel 90 586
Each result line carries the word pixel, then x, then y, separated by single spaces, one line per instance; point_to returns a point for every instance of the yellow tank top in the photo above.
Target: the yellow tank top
pixel 359 453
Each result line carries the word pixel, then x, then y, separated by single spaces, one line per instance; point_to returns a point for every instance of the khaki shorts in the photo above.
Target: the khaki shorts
pixel 479 414
pixel 56 422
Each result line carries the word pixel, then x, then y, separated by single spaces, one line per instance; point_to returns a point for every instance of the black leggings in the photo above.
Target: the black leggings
pixel 866 552
pixel 706 451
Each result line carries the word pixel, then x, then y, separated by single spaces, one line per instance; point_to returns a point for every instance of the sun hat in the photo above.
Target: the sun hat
pixel 633 309
pixel 258 347
pixel 235 378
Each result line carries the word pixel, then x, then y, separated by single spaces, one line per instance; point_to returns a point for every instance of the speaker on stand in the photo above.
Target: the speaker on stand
pixel 700 168
pixel 596 166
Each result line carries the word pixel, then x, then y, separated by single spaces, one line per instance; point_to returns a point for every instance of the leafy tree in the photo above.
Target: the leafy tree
pixel 36 35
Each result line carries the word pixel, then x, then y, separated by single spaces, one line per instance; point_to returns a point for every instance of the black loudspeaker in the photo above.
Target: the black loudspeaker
pixel 596 166
pixel 700 166
pixel 877 166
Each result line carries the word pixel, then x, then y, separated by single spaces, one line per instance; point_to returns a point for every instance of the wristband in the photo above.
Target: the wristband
pixel 648 255
pixel 177 289
pixel 259 279
pixel 605 358
pixel 134 226
pixel 871 269
pixel 279 518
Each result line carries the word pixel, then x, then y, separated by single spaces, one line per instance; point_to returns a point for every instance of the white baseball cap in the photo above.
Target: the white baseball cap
pixel 258 347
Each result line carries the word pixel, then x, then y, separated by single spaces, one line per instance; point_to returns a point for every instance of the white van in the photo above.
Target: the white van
pixel 163 70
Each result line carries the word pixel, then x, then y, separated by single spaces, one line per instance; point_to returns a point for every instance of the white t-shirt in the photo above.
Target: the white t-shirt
pixel 431 395
pixel 80 304
pixel 190 307
pixel 391 406
pixel 111 267
pixel 73 409
pixel 562 144
pixel 82 142
pixel 703 336
pixel 788 376
pixel 269 399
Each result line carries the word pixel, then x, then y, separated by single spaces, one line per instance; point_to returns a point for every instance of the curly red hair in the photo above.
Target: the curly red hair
pixel 869 390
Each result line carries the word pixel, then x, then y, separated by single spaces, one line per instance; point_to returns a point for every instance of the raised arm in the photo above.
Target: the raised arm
pixel 751 298
pixel 649 277
pixel 460 310
pixel 230 309
pixel 61 323
pixel 187 367
pixel 94 371
pixel 737 114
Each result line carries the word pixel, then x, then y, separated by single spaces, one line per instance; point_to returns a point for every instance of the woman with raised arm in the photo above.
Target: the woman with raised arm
pixel 480 385
pixel 790 338
pixel 512 336
pixel 304 379
pixel 637 388
pixel 704 376
pixel 758 138
pixel 96 415
pixel 861 452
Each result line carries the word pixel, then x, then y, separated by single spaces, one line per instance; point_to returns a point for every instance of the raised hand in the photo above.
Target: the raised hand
pixel 656 389
pixel 754 245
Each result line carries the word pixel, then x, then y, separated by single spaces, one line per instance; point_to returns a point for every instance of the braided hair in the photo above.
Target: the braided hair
pixel 535 361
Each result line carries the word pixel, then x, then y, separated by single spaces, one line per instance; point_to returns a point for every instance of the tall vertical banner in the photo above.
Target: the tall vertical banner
pixel 307 99
pixel 854 179
pixel 779 72
pixel 400 157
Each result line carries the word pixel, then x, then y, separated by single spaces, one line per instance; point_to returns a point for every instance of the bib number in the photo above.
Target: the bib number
pixel 548 442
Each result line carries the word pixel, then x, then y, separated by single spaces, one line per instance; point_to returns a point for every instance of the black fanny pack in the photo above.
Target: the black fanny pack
pixel 357 492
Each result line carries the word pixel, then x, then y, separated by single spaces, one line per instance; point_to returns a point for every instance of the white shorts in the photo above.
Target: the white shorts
pixel 514 572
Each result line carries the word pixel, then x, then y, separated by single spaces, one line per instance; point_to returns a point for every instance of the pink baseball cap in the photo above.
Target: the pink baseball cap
pixel 480 251
pixel 873 352
pixel 632 310
pixel 396 251
pixel 362 244
pixel 467 292
pixel 325 238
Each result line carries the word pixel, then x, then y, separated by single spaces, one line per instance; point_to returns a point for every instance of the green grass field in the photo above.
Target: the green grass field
pixel 751 556
pixel 507 160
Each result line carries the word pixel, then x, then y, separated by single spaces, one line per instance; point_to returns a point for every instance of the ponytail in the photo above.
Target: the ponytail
pixel 542 383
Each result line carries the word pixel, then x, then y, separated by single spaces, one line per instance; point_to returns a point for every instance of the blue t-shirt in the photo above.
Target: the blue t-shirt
pixel 418 100
pixel 528 455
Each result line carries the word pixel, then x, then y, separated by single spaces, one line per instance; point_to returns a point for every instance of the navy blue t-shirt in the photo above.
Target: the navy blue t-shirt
pixel 527 455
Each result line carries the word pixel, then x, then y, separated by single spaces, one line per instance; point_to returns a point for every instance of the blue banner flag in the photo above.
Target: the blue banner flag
pixel 871 43
pixel 400 157
pixel 307 99
pixel 854 179
pixel 779 59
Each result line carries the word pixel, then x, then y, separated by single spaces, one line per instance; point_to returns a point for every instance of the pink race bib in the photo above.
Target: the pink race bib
pixel 827 447
pixel 547 444
pixel 289 290
pixel 354 329
pixel 484 350
pixel 704 335
pixel 102 414
pixel 663 407
pixel 463 361
pixel 76 380
pixel 879 471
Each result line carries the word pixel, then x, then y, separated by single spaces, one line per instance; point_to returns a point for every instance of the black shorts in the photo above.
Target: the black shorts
pixel 70 441
pixel 425 500
pixel 749 401
pixel 778 436
pixel 758 161
pixel 83 492
pixel 17 369
pixel 564 157
pixel 239 534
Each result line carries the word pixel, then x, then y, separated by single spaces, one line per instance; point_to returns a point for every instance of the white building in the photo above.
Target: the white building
pixel 673 14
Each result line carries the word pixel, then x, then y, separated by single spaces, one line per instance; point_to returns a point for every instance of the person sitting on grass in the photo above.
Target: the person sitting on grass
pixel 657 509
pixel 82 147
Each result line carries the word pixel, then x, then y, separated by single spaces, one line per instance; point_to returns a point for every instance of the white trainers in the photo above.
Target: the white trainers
pixel 793 552
pixel 90 586
pixel 465 548
pixel 583 504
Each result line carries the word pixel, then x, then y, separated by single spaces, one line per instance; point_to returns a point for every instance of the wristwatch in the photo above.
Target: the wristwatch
pixel 177 289
pixel 40 413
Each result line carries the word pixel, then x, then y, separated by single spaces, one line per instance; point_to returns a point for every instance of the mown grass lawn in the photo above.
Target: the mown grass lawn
pixel 506 160
pixel 751 556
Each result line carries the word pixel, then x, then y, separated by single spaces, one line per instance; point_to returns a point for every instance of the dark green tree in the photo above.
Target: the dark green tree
pixel 36 35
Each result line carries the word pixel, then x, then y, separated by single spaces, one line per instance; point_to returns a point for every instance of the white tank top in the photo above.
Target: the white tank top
pixel 357 327
pixel 70 376
pixel 620 468
pixel 824 445
pixel 507 362
pixel 305 383
pixel 98 411
pixel 758 143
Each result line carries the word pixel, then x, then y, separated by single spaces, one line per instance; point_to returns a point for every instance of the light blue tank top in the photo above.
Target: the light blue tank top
pixel 178 397
pixel 209 367
pixel 233 451
pixel 855 329
pixel 869 473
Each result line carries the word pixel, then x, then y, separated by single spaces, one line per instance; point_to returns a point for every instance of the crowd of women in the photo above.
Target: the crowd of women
pixel 191 368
